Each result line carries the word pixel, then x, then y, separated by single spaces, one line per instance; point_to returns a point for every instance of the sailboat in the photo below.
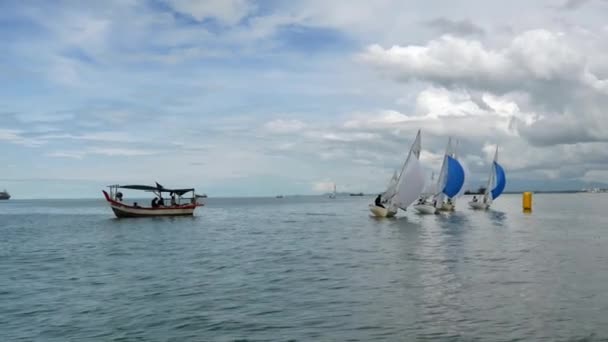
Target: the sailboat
pixel 449 184
pixel 425 201
pixel 496 182
pixel 405 188
pixel 451 179
pixel 333 194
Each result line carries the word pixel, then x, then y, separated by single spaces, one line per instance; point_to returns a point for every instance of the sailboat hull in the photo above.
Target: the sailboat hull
pixel 478 205
pixel 381 212
pixel 447 207
pixel 425 209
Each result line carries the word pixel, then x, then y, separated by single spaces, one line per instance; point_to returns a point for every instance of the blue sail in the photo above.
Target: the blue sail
pixel 455 178
pixel 501 181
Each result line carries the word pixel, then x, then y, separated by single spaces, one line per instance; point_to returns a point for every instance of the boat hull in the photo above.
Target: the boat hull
pixel 382 212
pixel 478 205
pixel 447 207
pixel 122 210
pixel 425 209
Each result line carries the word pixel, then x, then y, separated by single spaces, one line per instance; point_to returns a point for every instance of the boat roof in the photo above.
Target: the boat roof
pixel 157 188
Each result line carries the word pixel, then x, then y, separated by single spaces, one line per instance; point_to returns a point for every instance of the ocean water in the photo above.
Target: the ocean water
pixel 305 269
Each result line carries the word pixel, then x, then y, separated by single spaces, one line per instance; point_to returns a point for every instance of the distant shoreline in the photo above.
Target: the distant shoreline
pixel 347 195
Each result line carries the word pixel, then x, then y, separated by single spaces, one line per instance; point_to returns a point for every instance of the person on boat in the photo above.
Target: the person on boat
pixel 474 198
pixel 161 201
pixel 119 196
pixel 155 203
pixel 135 205
pixel 173 201
pixel 378 201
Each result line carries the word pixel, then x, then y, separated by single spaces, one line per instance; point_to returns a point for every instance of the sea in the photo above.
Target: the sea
pixel 305 269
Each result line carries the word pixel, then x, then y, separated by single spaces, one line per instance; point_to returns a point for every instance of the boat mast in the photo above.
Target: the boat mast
pixel 491 178
pixel 443 173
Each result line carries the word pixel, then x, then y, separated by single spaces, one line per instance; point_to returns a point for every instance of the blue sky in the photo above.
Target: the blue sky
pixel 243 98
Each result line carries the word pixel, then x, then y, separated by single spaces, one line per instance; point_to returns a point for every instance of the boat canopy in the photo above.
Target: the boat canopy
pixel 157 188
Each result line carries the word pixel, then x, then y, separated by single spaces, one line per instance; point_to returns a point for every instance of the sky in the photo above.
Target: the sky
pixel 258 98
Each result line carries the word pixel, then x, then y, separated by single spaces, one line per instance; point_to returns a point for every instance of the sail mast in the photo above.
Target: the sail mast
pixel 492 176
pixel 443 173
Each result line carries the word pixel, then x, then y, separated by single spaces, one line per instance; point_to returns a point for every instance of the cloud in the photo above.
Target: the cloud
pixel 323 186
pixel 95 136
pixel 574 4
pixel 228 12
pixel 281 126
pixel 154 84
pixel 102 151
pixel 533 56
pixel 455 27
pixel 17 137
pixel 44 117
pixel 553 94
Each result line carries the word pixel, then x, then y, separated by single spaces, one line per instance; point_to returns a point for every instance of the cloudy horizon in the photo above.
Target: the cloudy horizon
pixel 258 98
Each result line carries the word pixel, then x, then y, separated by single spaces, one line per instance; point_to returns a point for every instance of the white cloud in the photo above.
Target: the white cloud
pixel 103 151
pixel 17 137
pixel 281 126
pixel 323 186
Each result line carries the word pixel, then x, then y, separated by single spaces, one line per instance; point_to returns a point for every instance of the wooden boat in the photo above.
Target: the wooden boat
pixel 179 205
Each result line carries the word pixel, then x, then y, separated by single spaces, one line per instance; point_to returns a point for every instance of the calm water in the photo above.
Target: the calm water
pixel 306 269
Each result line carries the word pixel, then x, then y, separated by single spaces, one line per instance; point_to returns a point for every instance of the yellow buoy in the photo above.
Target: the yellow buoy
pixel 527 201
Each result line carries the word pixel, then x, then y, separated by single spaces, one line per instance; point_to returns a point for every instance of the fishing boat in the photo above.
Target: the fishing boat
pixel 405 188
pixel 496 185
pixel 179 205
pixel 333 194
pixel 4 195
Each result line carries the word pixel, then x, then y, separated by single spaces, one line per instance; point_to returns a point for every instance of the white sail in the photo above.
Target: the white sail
pixel 430 189
pixel 487 196
pixel 411 179
pixel 410 185
pixel 391 189
pixel 439 197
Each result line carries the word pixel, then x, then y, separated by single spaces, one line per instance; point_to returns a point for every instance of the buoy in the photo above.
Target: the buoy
pixel 527 201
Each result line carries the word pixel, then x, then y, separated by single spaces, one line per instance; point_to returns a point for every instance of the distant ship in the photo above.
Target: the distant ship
pixel 357 194
pixel 4 195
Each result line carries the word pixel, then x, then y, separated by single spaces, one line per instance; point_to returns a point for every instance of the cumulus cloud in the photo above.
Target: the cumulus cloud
pixel 553 95
pixel 533 56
